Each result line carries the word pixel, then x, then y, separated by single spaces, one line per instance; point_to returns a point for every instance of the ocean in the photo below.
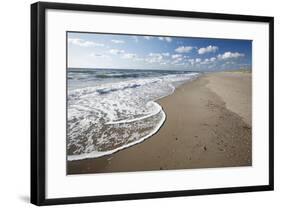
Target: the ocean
pixel 112 109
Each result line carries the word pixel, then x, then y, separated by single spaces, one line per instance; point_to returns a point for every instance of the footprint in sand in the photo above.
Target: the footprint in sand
pixel 221 149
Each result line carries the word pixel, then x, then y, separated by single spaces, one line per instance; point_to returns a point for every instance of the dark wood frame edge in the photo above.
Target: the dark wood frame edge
pixel 38 183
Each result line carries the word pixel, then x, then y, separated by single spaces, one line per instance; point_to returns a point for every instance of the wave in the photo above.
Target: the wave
pixel 118 75
pixel 96 154
pixel 112 116
pixel 159 109
pixel 106 90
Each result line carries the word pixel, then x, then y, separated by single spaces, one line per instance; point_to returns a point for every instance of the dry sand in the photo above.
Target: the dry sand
pixel 208 125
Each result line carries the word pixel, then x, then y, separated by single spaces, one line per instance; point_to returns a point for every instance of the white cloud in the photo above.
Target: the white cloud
pixel 229 55
pixel 135 38
pixel 208 49
pixel 184 49
pixel 129 56
pixel 116 51
pixel 83 43
pixel 175 61
pixel 191 61
pixel 179 64
pixel 176 56
pixel 138 59
pixel 98 55
pixel 166 54
pixel 117 41
pixel 148 37
pixel 168 39
pixel 155 55
pixel 195 61
pixel 154 58
pixel 209 60
pixel 230 62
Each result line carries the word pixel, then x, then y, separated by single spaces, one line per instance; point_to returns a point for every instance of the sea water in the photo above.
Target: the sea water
pixel 112 109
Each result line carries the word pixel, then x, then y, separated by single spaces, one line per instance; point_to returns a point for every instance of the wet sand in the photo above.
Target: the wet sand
pixel 208 125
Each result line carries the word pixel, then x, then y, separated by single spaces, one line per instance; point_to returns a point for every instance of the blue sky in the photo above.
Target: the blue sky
pixel 92 50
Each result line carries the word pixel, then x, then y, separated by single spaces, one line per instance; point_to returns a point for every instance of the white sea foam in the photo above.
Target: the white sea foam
pixel 109 117
pixel 95 154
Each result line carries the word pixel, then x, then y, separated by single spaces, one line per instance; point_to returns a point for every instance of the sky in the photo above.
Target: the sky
pixel 97 50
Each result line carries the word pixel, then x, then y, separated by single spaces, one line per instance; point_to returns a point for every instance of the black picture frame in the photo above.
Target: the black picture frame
pixel 38 102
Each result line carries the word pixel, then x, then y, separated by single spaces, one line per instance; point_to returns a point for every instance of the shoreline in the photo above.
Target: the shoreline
pixel 88 155
pixel 198 138
pixel 93 155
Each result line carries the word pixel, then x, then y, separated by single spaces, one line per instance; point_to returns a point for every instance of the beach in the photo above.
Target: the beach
pixel 208 125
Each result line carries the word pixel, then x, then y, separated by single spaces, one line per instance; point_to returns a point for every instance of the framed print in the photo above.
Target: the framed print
pixel 131 103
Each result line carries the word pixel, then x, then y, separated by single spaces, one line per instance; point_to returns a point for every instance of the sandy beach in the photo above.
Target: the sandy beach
pixel 208 125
